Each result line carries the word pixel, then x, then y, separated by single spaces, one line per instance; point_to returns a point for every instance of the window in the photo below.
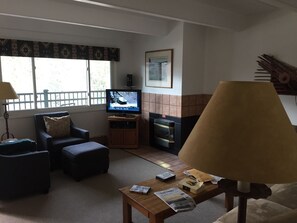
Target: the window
pixel 61 82
pixel 57 82
pixel 18 71
pixel 100 79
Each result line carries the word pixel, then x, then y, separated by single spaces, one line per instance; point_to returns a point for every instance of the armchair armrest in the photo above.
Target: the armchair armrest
pixel 17 147
pixel 80 133
pixel 288 217
pixel 46 140
pixel 25 160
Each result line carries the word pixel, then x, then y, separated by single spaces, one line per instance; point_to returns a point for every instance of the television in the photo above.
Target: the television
pixel 123 101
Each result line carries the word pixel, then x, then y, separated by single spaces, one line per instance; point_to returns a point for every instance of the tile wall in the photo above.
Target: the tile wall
pixel 169 105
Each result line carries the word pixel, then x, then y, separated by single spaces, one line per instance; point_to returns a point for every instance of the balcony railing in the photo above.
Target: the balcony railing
pixel 48 99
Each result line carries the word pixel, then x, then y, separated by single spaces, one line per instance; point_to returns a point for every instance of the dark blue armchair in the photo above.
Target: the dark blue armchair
pixel 55 145
pixel 23 169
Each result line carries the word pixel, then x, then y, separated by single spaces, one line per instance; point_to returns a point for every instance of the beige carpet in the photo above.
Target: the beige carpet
pixel 97 199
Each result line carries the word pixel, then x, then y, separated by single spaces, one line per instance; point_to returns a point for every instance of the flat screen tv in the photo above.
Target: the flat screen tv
pixel 123 101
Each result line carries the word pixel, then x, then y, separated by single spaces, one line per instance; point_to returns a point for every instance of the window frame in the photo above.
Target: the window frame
pixel 78 108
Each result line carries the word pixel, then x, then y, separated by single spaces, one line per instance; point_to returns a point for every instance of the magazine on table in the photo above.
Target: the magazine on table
pixel 177 199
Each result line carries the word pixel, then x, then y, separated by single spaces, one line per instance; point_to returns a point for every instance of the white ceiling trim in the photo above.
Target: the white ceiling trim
pixel 282 4
pixel 154 17
pixel 190 11
pixel 95 17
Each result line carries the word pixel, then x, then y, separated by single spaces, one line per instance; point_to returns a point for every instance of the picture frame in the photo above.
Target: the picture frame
pixel 158 68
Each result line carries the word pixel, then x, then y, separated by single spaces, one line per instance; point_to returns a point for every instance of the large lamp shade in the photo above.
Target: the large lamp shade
pixel 244 134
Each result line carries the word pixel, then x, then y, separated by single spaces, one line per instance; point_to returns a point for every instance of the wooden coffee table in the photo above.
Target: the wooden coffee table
pixel 154 208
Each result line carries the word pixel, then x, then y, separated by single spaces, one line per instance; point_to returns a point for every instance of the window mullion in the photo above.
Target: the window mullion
pixel 89 82
pixel 0 69
pixel 34 83
pixel 1 79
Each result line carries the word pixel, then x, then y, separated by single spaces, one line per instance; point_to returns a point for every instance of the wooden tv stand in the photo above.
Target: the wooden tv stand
pixel 123 131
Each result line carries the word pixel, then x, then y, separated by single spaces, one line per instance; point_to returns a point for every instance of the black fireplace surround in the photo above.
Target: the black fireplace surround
pixel 170 133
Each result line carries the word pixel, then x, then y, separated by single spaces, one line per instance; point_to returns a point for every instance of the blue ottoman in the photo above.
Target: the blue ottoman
pixel 85 159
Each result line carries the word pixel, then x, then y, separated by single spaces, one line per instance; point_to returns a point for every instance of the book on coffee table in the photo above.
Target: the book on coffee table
pixel 190 185
pixel 198 175
pixel 165 176
pixel 140 189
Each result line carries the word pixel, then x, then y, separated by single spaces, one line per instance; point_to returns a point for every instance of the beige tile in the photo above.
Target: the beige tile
pixel 192 99
pixel 166 109
pixel 146 106
pixel 145 97
pixel 159 98
pixel 178 112
pixel 173 100
pixel 152 98
pixel 200 109
pixel 165 98
pixel 185 100
pixel 206 98
pixel 172 111
pixel 152 107
pixel 159 108
pixel 199 99
pixel 193 110
pixel 178 100
pixel 185 111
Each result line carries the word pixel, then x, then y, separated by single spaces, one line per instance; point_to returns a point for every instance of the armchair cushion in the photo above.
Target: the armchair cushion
pixel 288 217
pixel 57 127
pixel 284 194
pixel 257 211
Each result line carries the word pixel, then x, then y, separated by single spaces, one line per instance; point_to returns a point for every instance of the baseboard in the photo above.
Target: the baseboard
pixel 100 139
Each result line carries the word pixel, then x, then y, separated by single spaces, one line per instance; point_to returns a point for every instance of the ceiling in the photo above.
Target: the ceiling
pixel 154 17
pixel 244 7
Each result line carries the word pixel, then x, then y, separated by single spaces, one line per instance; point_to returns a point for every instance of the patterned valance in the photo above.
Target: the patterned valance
pixel 23 48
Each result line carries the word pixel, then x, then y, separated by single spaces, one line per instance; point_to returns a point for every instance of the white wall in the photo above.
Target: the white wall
pixel 174 40
pixel 193 59
pixel 233 55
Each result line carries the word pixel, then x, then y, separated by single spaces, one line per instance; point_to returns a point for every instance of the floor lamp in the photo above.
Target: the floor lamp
pixel 245 136
pixel 6 92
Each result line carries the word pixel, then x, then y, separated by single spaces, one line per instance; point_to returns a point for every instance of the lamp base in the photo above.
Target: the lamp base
pixel 256 191
pixel 6 116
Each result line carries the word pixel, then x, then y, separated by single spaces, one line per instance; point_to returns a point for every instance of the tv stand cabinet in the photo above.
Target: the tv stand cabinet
pixel 123 132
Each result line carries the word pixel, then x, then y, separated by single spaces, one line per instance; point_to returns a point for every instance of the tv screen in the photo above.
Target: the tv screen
pixel 123 101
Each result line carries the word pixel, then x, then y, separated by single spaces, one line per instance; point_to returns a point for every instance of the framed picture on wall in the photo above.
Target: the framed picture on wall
pixel 158 68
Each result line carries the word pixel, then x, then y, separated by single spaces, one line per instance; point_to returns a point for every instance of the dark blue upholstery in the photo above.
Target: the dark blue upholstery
pixel 15 147
pixel 23 169
pixel 85 159
pixel 55 145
